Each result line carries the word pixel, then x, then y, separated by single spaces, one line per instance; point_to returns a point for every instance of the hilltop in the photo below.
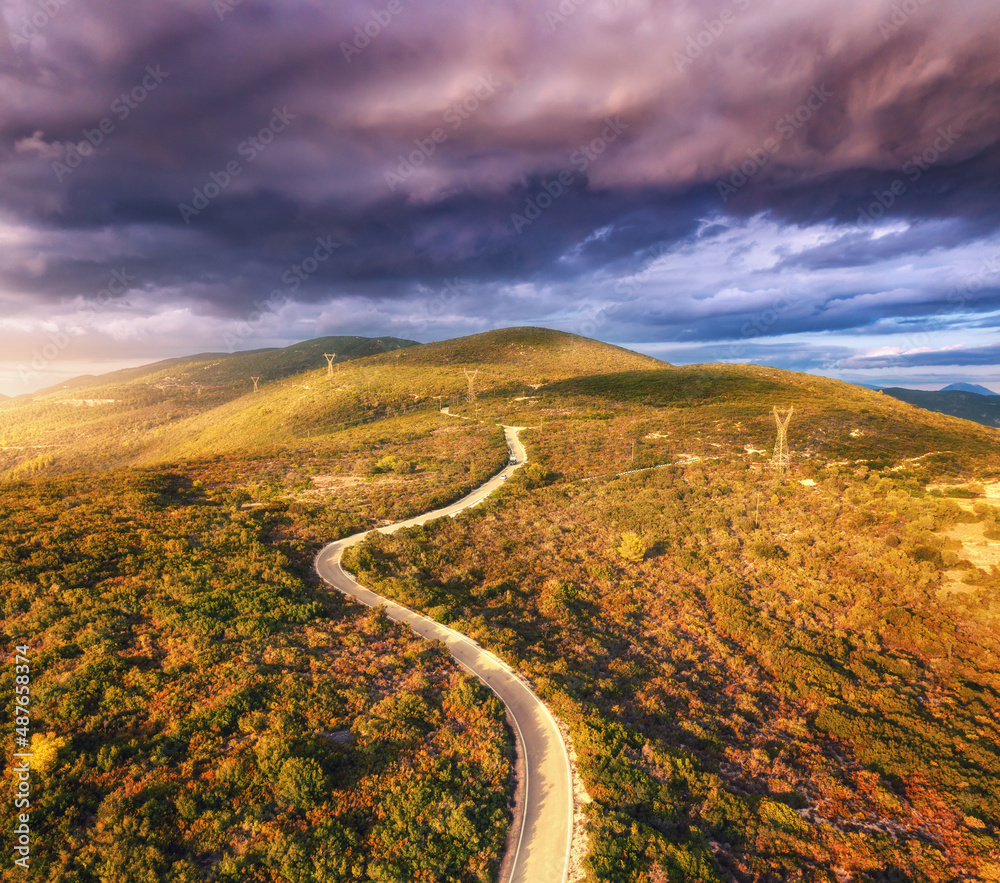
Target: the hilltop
pixel 205 405
pixel 537 355
pixel 969 387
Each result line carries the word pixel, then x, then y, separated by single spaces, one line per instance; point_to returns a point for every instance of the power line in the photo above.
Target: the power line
pixel 471 377
pixel 780 458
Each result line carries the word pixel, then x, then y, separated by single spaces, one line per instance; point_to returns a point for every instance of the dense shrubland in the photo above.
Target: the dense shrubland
pixel 202 712
pixel 757 690
pixel 764 680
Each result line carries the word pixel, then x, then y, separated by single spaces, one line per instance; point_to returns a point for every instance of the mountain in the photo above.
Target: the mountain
pixel 533 354
pixel 974 406
pixel 213 371
pixel 205 406
pixel 969 387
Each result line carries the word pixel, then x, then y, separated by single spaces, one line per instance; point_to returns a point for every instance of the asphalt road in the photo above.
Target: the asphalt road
pixel 542 850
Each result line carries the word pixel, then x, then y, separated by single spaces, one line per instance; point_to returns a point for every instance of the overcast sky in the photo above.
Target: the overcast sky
pixel 810 185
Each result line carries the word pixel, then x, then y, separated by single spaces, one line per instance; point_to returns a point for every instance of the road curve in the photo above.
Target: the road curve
pixel 542 849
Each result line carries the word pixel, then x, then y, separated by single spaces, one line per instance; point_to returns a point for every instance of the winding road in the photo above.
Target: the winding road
pixel 541 854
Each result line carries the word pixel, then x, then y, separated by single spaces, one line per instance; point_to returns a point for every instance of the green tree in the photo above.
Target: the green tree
pixel 632 548
pixel 301 782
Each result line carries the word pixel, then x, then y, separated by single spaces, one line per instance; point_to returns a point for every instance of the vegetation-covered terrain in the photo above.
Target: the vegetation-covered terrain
pixel 765 678
pixel 794 679
pixel 201 712
pixel 195 409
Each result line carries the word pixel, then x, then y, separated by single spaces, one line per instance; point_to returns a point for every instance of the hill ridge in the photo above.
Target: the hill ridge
pixel 966 405
pixel 313 346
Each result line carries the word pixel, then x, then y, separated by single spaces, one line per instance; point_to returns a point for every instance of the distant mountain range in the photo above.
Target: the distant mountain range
pixel 966 400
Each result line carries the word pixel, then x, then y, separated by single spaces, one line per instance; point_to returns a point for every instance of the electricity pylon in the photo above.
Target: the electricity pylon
pixel 471 377
pixel 780 458
pixel 329 364
pixel 255 380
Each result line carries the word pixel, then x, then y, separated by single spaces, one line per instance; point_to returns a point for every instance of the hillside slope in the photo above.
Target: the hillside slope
pixel 979 408
pixel 205 405
pixel 214 370
pixel 765 676
pixel 112 419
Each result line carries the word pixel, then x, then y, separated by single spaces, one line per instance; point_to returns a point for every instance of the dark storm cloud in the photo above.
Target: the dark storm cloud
pixel 415 135
pixel 987 355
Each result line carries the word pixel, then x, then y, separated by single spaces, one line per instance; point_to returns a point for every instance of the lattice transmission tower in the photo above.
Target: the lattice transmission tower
pixel 329 364
pixel 780 458
pixel 471 377
pixel 255 380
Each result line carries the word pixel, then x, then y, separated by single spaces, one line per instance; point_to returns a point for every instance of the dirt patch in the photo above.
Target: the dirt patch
pixel 329 482
pixel 975 547
pixel 990 495
pixel 953 583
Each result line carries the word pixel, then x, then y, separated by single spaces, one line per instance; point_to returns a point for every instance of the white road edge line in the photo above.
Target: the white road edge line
pixel 471 502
